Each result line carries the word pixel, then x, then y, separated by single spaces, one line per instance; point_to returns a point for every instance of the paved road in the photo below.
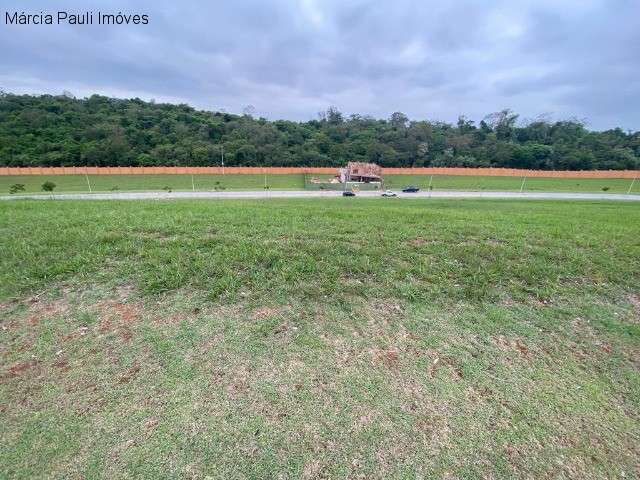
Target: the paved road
pixel 320 194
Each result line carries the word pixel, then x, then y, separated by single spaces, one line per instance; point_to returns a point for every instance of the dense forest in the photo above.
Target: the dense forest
pixel 100 131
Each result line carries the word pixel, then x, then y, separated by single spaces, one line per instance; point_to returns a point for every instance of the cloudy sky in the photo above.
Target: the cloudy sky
pixel 291 59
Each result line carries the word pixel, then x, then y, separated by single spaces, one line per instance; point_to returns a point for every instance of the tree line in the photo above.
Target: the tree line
pixel 50 130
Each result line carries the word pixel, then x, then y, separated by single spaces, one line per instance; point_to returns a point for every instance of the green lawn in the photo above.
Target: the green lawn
pixel 536 184
pixel 320 339
pixel 106 183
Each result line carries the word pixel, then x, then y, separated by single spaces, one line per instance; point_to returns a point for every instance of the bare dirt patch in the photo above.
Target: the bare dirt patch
pixel 41 309
pixel 18 368
pixel 439 362
pixel 172 319
pixel 9 325
pixel 515 344
pixel 265 312
pixel 635 303
pixel 128 313
pixel 125 334
pixel 418 242
pixel 81 332
pixel 130 374
pixel 62 364
pixel 116 316
pixel 151 423
pixel 386 308
pixel 239 385
pixel 387 357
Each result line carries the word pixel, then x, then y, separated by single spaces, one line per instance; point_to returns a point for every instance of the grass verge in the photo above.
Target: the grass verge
pixel 109 183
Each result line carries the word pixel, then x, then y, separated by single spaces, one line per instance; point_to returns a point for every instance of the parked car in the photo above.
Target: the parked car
pixel 410 189
pixel 346 193
pixel 389 193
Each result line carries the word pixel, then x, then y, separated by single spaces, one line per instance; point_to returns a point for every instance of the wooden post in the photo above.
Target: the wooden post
pixel 524 179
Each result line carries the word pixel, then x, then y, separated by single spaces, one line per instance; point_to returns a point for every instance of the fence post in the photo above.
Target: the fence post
pixel 524 179
pixel 631 186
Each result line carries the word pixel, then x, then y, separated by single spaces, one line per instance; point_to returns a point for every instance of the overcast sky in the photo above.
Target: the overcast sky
pixel 291 59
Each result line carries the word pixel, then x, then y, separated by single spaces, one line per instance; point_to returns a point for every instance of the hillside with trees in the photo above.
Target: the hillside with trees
pixel 100 131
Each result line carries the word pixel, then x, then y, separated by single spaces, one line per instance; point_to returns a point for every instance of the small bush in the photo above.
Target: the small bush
pixel 167 188
pixel 605 189
pixel 16 187
pixel 48 186
pixel 114 188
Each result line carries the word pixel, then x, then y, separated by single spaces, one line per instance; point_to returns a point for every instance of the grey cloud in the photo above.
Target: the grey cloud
pixel 293 58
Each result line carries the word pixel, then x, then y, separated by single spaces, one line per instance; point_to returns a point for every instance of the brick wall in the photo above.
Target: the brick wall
pixel 492 172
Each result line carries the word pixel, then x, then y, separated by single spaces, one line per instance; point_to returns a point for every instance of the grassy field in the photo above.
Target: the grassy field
pixel 106 183
pixel 448 182
pixel 320 339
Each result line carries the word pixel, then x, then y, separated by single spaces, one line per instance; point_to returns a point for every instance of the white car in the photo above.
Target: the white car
pixel 389 193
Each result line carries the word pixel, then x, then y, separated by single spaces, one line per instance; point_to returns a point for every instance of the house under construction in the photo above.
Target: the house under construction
pixel 360 172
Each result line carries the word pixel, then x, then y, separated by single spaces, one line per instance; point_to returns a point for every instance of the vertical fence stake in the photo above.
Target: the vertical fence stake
pixel 522 186
pixel 193 185
pixel 631 186
pixel 429 187
pixel 88 183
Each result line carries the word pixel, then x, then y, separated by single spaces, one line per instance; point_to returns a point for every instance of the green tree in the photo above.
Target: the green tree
pixel 48 186
pixel 61 130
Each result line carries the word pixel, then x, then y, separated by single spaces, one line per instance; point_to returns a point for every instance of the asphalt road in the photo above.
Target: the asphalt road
pixel 319 194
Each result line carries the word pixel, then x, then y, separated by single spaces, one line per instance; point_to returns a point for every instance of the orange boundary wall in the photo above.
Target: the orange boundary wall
pixel 490 172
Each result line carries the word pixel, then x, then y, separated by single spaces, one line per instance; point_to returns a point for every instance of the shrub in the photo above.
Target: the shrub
pixel 16 187
pixel 48 186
